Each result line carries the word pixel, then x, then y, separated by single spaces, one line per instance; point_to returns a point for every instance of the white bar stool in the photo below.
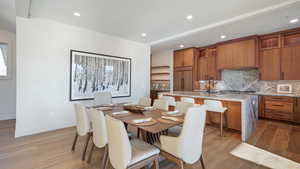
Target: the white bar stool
pixel 217 106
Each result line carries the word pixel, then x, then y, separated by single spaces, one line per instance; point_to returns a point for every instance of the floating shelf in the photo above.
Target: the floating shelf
pixel 159 80
pixel 160 67
pixel 160 73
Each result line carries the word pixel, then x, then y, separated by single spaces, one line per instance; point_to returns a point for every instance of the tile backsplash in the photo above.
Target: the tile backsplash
pixel 248 80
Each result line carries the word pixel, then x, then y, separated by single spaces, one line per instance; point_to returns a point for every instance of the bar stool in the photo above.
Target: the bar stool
pixel 217 106
pixel 171 102
pixel 187 100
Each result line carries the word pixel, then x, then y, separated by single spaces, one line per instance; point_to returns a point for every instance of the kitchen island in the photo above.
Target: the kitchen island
pixel 242 111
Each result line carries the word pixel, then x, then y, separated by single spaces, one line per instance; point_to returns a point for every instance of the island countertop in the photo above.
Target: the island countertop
pixel 248 111
pixel 214 96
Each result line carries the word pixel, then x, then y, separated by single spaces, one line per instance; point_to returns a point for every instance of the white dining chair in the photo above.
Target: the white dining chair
pixel 145 101
pixel 170 100
pixel 83 127
pixel 161 104
pixel 100 139
pixel 187 147
pixel 125 153
pixel 187 100
pixel 102 98
pixel 182 107
pixel 217 106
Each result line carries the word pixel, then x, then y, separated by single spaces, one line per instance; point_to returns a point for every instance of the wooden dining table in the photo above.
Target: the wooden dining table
pixel 149 133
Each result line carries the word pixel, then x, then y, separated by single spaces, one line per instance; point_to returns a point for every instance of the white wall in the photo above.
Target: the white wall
pixel 8 86
pixel 43 63
pixel 164 58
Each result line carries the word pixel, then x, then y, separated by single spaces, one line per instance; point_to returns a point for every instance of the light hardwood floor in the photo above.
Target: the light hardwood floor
pixel 52 150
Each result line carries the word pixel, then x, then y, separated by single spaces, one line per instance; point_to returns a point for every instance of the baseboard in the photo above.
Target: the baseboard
pixel 7 116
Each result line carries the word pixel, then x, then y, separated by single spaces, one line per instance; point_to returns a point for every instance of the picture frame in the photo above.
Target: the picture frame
pixel 284 88
pixel 92 72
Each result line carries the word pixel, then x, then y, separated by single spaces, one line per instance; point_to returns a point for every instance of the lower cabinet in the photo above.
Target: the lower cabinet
pixel 279 108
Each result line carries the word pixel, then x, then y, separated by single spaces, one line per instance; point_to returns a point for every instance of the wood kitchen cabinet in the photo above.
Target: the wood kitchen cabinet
pixel 237 54
pixel 297 110
pixel 270 64
pixel 183 80
pixel 290 63
pixel 207 64
pixel 184 57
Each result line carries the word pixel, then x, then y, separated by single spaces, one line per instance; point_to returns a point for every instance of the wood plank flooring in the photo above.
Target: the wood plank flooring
pixel 52 150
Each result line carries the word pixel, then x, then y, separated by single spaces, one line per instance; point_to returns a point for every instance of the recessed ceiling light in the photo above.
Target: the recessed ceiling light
pixel 294 20
pixel 189 17
pixel 181 46
pixel 76 14
pixel 143 34
pixel 223 36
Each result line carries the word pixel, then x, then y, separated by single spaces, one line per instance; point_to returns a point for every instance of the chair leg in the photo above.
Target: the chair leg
pixel 202 162
pixel 221 124
pixel 86 146
pixel 105 158
pixel 91 153
pixel 75 141
pixel 180 165
pixel 156 163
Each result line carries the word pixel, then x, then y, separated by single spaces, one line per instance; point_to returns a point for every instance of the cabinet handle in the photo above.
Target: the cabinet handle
pixel 282 75
pixel 182 83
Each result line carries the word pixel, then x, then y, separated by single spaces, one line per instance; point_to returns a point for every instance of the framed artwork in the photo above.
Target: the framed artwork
pixel 284 88
pixel 91 73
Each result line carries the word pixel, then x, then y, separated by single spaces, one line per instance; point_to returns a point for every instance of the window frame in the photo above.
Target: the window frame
pixel 8 53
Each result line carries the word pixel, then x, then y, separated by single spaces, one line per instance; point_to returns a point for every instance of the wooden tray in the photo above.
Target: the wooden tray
pixel 170 121
pixel 149 123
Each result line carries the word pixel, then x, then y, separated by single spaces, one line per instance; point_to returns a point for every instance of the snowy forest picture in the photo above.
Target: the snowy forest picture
pixel 92 73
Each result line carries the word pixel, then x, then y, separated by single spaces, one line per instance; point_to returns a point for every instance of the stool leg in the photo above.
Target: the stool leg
pixel 221 124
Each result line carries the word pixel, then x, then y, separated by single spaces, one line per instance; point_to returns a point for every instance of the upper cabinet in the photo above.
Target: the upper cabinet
pixel 207 68
pixel 237 54
pixel 290 59
pixel 269 57
pixel 184 58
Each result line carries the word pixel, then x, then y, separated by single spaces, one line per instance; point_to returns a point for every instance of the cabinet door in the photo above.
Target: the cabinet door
pixel 188 80
pixel 178 58
pixel 270 64
pixel 297 110
pixel 202 68
pixel 290 63
pixel 188 58
pixel 211 64
pixel 234 118
pixel 178 81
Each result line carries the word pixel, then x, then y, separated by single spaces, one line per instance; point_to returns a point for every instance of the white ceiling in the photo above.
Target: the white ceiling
pixel 7 15
pixel 164 20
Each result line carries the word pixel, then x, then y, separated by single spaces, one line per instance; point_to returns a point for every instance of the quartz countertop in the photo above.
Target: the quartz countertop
pixel 278 94
pixel 216 96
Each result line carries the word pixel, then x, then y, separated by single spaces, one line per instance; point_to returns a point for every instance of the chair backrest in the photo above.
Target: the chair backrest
pixel 188 100
pixel 119 146
pixel 161 104
pixel 99 128
pixel 183 107
pixel 214 105
pixel 191 136
pixel 170 100
pixel 102 98
pixel 82 120
pixel 145 101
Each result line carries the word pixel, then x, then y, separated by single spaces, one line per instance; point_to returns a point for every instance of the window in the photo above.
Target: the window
pixel 3 61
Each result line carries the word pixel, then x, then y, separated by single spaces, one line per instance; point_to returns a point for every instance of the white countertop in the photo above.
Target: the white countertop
pixel 225 97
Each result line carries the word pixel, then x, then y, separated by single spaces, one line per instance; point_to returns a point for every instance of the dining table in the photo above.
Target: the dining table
pixel 147 131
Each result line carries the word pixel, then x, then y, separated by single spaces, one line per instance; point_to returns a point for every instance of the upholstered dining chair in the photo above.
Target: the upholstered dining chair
pixel 144 101
pixel 83 127
pixel 161 104
pixel 187 147
pixel 182 107
pixel 187 100
pixel 100 139
pixel 102 98
pixel 128 154
pixel 217 107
